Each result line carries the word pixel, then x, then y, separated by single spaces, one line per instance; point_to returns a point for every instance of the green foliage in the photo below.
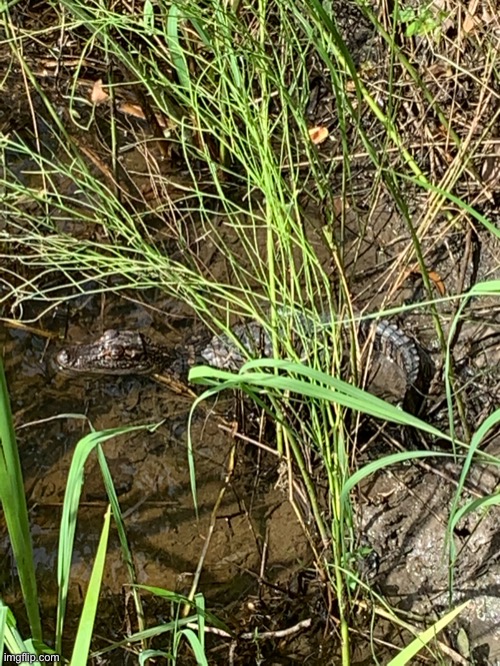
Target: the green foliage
pixel 15 510
pixel 421 21
pixel 419 643
pixel 83 639
pixel 67 532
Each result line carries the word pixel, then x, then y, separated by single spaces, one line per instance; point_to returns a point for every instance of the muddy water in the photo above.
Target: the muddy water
pixel 150 474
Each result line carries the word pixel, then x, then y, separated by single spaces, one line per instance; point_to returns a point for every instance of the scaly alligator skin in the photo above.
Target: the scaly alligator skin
pixel 130 352
pixel 388 340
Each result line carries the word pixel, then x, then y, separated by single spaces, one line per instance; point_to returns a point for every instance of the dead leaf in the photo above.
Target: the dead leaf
pixel 98 94
pixel 318 135
pixel 136 111
pixel 470 24
pixel 132 110
pixel 440 70
pixel 438 282
pixel 471 21
pixel 434 277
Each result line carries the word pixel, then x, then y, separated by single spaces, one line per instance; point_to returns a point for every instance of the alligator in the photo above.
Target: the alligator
pixel 125 352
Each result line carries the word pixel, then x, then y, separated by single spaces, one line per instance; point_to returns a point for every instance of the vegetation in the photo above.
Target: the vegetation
pixel 239 213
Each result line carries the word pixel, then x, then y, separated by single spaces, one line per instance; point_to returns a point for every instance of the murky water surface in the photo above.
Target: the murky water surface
pixel 150 473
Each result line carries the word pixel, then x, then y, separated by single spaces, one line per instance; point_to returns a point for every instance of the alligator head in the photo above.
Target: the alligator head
pixel 114 353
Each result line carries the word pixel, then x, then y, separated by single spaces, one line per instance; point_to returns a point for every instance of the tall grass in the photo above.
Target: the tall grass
pixel 234 83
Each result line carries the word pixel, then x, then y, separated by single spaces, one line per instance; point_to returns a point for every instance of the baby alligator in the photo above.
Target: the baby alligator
pixel 129 352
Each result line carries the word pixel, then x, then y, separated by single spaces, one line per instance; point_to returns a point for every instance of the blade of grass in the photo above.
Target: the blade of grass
pixel 3 621
pixel 321 386
pixel 16 513
pixel 122 535
pixel 69 516
pixel 426 636
pixel 87 619
pixel 176 52
pixel 196 646
pixel 13 639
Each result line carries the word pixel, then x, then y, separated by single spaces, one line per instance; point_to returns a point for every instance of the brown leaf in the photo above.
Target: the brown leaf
pixel 318 135
pixel 132 110
pixel 98 94
pixel 471 21
pixel 136 111
pixel 438 282
pixel 434 277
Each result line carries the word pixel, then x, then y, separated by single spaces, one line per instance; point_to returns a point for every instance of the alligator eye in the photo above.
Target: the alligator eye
pixel 116 353
pixel 63 357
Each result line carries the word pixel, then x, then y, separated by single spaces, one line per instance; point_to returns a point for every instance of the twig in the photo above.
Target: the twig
pixel 213 519
pixel 253 635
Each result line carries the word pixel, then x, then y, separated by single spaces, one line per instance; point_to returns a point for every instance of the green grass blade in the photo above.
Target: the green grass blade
pixel 176 52
pixel 471 506
pixel 12 638
pixel 146 655
pixel 199 601
pixel 87 619
pixel 386 461
pixel 425 637
pixel 3 621
pixel 315 384
pixel 201 613
pixel 15 509
pixel 122 535
pixel 196 646
pixel 145 635
pixel 69 516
